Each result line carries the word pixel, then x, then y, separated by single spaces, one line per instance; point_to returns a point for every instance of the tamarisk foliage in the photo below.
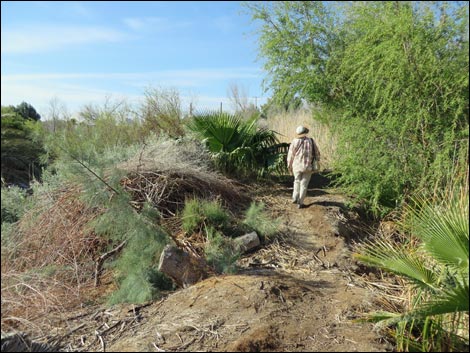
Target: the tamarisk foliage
pixel 390 77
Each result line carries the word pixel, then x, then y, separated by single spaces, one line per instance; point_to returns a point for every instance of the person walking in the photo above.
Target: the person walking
pixel 302 151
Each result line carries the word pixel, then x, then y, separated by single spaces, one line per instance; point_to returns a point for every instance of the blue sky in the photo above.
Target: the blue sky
pixel 84 52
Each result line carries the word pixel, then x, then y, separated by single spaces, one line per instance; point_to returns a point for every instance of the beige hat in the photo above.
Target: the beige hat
pixel 301 130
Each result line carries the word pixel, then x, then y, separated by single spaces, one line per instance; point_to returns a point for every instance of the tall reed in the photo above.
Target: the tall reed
pixel 284 124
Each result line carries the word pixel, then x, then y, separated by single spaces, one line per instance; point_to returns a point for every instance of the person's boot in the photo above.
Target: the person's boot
pixel 301 205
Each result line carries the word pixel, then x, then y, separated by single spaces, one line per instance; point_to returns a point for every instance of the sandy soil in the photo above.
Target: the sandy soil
pixel 302 292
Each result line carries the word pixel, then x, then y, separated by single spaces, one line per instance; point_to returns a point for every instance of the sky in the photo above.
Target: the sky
pixel 82 53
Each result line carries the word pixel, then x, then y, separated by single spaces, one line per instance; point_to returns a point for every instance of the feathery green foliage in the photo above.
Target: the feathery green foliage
pixel 138 262
pixel 221 252
pixel 295 40
pixel 208 217
pixel 87 141
pixel 392 77
pixel 14 203
pixel 120 221
pixel 199 213
pixel 212 220
pixel 145 239
pixel 402 78
pixel 256 219
pixel 94 168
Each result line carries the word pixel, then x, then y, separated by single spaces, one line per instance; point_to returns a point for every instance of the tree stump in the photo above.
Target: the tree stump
pixel 183 268
pixel 247 242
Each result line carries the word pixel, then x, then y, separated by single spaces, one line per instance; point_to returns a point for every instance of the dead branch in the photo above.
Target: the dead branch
pixel 102 258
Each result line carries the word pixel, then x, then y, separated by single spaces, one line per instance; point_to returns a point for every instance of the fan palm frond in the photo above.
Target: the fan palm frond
pixel 237 145
pixel 443 230
pixel 439 266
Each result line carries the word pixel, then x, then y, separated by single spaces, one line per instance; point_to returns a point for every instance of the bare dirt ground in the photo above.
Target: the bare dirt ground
pixel 301 292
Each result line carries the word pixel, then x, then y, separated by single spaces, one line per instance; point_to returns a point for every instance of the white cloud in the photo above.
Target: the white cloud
pixel 154 23
pixel 78 89
pixel 81 10
pixel 193 77
pixel 35 39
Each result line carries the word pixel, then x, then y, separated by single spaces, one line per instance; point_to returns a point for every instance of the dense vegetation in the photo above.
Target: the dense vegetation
pixel 391 78
pixel 113 182
pixel 20 154
pixel 434 261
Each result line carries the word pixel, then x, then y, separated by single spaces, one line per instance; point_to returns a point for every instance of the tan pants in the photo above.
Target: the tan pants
pixel 301 181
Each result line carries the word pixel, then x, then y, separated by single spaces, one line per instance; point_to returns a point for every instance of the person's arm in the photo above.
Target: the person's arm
pixel 290 156
pixel 316 150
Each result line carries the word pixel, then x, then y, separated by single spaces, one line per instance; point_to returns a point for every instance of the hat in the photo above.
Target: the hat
pixel 301 130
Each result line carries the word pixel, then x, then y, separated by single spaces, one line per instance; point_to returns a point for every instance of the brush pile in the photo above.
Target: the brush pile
pixel 168 172
pixel 50 264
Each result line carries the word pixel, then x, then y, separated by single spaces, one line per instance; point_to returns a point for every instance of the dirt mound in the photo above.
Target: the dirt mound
pixel 300 293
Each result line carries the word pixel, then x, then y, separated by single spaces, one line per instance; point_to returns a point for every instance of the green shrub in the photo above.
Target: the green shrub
pixel 256 219
pixel 145 241
pixel 8 236
pixel 437 270
pixel 197 213
pixel 14 203
pixel 191 216
pixel 392 78
pixel 214 213
pixel 220 251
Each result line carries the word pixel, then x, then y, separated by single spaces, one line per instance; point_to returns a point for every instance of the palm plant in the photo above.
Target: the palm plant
pixel 236 145
pixel 438 270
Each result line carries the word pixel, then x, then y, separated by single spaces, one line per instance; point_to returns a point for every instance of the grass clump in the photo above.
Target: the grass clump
pixel 209 219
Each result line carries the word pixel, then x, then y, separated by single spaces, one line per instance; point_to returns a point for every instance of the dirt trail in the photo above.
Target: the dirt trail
pixel 297 294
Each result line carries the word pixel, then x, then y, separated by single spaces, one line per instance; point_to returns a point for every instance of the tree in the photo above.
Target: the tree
pixel 240 101
pixel 20 154
pixel 392 78
pixel 57 113
pixel 27 111
pixel 296 40
pixel 161 111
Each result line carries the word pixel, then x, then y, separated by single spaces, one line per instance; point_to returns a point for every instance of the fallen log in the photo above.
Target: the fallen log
pixel 184 269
